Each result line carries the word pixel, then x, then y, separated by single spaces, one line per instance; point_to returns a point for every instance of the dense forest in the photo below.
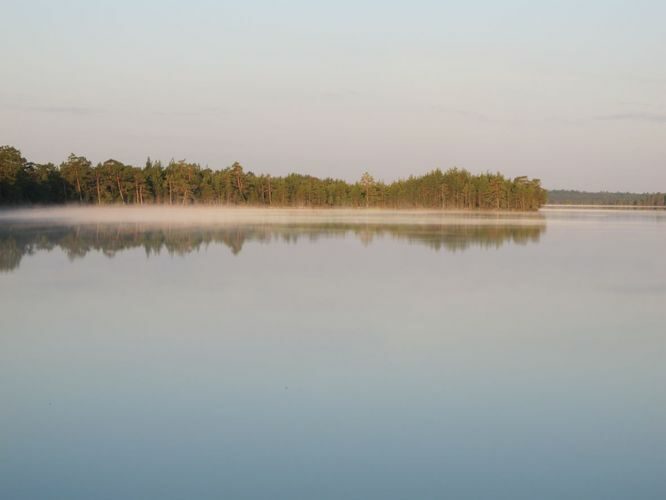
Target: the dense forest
pixel 569 197
pixel 77 180
pixel 19 239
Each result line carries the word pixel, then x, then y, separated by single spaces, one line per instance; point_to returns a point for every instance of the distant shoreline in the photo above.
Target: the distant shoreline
pixel 604 207
pixel 623 199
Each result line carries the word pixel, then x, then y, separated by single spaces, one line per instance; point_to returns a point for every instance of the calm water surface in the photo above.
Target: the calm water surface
pixel 393 357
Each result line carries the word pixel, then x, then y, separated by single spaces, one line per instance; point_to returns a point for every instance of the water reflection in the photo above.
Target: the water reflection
pixel 20 239
pixel 332 371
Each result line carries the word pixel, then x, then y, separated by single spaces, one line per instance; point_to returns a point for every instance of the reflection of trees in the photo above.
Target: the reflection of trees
pixel 76 241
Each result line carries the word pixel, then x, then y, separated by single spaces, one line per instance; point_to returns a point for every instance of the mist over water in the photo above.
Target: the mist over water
pixel 28 233
pixel 198 215
pixel 206 353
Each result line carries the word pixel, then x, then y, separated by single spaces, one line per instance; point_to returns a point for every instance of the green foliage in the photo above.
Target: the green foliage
pixel 13 173
pixel 184 183
pixel 77 174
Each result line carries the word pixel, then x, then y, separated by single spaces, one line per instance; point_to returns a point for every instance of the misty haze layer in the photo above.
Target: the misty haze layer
pixel 216 215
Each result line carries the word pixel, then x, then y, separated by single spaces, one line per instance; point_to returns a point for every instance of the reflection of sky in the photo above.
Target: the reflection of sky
pixel 571 92
pixel 329 369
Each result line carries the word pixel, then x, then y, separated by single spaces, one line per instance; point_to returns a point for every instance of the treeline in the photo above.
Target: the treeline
pixel 182 183
pixel 20 239
pixel 571 197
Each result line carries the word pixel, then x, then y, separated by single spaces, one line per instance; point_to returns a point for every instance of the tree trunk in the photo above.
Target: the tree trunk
pixel 78 187
pixel 120 189
pixel 239 183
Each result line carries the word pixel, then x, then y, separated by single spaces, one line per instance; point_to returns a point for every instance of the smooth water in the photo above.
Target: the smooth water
pixel 334 355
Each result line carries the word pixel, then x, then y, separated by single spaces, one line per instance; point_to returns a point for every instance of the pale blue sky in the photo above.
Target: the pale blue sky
pixel 572 92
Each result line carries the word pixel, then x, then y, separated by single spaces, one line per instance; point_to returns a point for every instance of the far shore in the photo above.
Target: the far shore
pixel 556 206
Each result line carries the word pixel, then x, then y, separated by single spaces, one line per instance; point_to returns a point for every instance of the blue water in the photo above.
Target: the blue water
pixel 329 361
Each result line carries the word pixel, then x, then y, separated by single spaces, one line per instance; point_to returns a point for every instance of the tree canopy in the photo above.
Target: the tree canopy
pixel 76 180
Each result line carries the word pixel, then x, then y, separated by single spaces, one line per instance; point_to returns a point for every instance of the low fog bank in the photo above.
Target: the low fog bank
pixel 198 215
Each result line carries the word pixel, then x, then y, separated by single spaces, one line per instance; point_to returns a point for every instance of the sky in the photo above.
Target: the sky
pixel 571 92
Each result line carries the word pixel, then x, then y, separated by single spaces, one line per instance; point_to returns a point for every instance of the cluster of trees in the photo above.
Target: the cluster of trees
pixel 180 182
pixel 18 240
pixel 570 197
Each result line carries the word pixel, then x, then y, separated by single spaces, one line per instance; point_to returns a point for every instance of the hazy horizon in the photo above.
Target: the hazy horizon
pixel 566 92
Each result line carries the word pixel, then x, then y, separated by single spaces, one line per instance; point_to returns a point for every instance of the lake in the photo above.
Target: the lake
pixel 298 354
